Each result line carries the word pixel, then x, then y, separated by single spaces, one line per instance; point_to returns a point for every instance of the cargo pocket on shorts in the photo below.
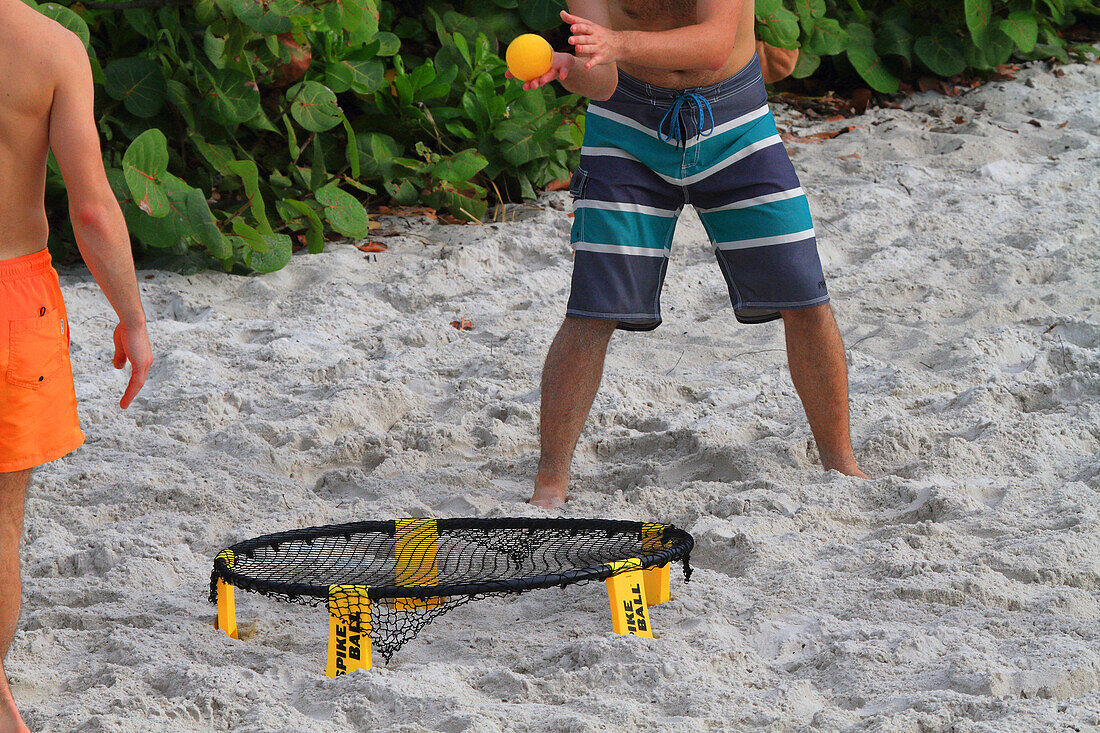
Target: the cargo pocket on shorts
pixel 577 185
pixel 35 348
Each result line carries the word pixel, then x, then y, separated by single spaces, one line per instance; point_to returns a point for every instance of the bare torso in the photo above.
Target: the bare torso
pixel 27 81
pixel 663 15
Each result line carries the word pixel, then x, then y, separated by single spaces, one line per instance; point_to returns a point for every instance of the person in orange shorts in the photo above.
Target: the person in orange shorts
pixel 46 100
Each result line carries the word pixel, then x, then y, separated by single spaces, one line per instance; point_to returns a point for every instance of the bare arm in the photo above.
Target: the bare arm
pixel 592 81
pixel 707 44
pixel 97 219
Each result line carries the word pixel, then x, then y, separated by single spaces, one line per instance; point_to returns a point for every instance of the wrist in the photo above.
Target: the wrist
pixel 620 42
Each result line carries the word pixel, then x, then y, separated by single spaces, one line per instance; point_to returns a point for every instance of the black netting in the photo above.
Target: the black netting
pixel 412 571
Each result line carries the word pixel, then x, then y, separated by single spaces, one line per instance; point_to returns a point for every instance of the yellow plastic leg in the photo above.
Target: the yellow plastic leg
pixel 656 585
pixel 629 611
pixel 227 609
pixel 656 579
pixel 349 625
pixel 417 542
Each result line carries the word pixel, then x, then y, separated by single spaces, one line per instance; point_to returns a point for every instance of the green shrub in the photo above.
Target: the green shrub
pixel 233 129
pixel 885 41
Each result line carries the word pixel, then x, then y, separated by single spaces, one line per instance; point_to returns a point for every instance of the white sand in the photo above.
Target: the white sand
pixel 959 590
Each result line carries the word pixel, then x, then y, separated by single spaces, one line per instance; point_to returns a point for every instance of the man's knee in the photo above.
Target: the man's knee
pixel 589 328
pixel 811 317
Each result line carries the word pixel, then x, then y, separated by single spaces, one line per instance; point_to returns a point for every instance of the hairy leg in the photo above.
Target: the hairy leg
pixel 13 492
pixel 815 352
pixel 570 379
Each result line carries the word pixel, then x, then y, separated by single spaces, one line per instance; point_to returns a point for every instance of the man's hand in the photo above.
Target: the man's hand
pixel 132 344
pixel 598 44
pixel 559 71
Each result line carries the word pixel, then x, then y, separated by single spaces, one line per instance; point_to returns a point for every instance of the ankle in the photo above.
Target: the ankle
pixel 551 476
pixel 545 486
pixel 838 460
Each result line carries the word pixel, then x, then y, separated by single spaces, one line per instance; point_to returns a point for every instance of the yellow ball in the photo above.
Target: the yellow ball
pixel 529 57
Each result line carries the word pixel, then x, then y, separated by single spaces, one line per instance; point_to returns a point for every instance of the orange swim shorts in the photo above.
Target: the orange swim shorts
pixel 38 421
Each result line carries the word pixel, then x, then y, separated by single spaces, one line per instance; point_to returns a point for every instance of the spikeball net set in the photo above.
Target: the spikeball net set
pixel 384 581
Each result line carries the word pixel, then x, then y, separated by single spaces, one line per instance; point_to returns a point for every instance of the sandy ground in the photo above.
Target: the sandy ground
pixel 959 590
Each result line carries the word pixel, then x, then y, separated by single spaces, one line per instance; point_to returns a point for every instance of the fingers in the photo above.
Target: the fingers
pixel 138 374
pixel 570 18
pixel 137 381
pixel 546 78
pixel 555 73
pixel 132 345
pixel 596 59
pixel 119 359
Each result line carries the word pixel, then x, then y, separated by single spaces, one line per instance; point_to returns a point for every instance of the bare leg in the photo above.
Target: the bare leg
pixel 570 379
pixel 13 492
pixel 815 353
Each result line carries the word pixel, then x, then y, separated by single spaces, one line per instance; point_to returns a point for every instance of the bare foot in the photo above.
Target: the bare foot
pixel 548 498
pixel 848 468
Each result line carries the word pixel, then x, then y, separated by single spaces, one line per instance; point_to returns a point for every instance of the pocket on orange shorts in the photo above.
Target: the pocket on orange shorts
pixel 35 348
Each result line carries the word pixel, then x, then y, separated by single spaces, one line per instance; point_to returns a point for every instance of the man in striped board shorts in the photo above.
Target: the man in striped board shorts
pixel 679 116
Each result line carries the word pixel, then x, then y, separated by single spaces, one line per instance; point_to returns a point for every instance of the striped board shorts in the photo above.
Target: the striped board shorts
pixel 648 152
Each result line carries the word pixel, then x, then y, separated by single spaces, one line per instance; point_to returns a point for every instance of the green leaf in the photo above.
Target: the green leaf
pixel 275 256
pixel 402 192
pixel 232 98
pixel 861 53
pixel 777 25
pixel 144 165
pixel 315 230
pixel 214 46
pixel 996 49
pixel 360 20
pixel 827 37
pixel 138 83
pixel 361 75
pixel 116 179
pixel 388 43
pixel 313 106
pixel 180 97
pixel 1049 51
pixel 894 39
pixel 807 10
pixel 461 205
pixel 344 212
pixel 461 167
pixel 540 15
pixel 204 227
pixel 217 156
pixel 807 64
pixel 523 141
pixel 979 13
pixel 256 16
pixel 1057 10
pixel 1021 27
pixel 162 233
pixel 318 171
pixel 250 179
pixel 943 53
